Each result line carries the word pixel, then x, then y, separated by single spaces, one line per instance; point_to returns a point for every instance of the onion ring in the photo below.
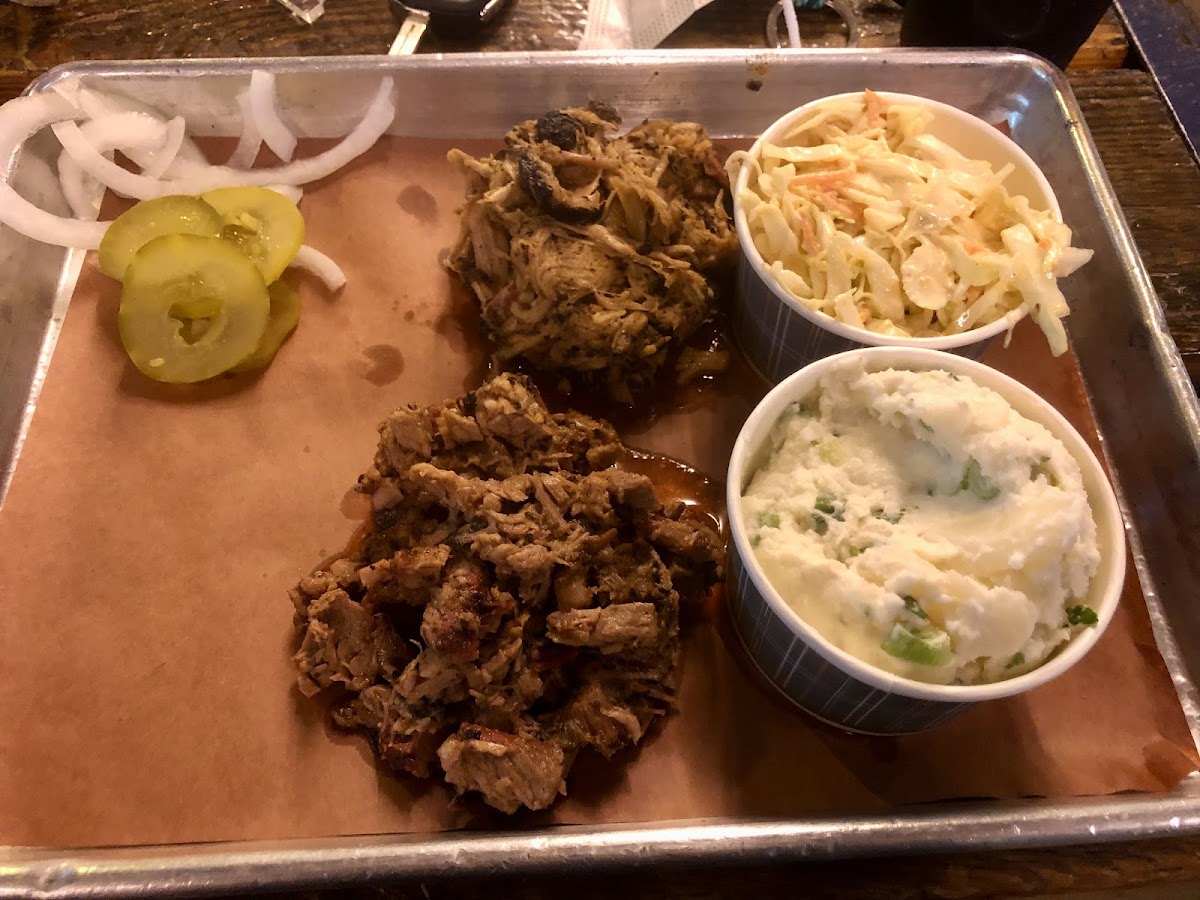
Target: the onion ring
pixel 98 105
pixel 176 130
pixel 374 123
pixel 107 172
pixel 266 116
pixel 161 148
pixel 20 119
pixel 316 262
pixel 82 192
pixel 129 132
pixel 250 141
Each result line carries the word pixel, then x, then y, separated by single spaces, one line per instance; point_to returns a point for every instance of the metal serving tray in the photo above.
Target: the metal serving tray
pixel 1145 406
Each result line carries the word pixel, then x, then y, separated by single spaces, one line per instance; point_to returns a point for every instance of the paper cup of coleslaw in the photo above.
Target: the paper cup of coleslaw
pixel 878 592
pixel 818 274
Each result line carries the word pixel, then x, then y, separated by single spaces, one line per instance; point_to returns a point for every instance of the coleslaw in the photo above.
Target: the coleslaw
pixel 861 214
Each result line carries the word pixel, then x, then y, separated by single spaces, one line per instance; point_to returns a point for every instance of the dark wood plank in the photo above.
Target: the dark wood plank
pixel 35 38
pixel 1158 184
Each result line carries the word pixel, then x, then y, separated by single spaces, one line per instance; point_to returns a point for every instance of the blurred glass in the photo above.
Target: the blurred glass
pixel 305 10
pixel 1055 29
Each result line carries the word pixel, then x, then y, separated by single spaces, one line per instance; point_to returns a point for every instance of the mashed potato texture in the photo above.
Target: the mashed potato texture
pixel 921 524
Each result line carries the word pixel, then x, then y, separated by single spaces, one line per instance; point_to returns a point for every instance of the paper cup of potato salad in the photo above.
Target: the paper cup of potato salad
pixel 881 219
pixel 914 532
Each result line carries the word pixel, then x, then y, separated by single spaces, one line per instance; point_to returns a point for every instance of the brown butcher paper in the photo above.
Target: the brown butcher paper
pixel 152 532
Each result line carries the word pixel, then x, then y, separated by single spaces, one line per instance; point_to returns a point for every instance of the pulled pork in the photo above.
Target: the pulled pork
pixel 515 601
pixel 588 252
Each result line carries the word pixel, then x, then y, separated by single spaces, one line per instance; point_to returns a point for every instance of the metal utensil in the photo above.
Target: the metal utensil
pixel 460 15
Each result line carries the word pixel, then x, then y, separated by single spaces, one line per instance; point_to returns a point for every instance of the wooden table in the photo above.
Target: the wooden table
pixel 1154 176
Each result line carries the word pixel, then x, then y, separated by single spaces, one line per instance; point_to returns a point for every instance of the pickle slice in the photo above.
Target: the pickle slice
pixel 284 317
pixel 192 307
pixel 263 223
pixel 143 222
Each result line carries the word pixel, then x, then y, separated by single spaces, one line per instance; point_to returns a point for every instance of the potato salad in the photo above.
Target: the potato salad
pixel 921 524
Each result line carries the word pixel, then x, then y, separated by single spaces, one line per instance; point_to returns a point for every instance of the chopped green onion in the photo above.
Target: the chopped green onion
pixel 1040 467
pixel 831 452
pixel 914 607
pixel 879 513
pixel 925 647
pixel 1081 615
pixel 977 483
pixel 925 425
pixel 819 523
pixel 768 520
pixel 828 504
pixel 1018 659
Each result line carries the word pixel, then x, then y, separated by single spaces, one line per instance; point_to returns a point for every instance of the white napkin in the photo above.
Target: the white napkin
pixel 634 24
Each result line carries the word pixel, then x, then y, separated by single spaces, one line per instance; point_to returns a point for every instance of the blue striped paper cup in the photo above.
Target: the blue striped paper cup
pixel 826 681
pixel 780 335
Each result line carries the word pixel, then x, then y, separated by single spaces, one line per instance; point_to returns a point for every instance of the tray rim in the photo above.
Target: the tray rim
pixel 197 870
pixel 944 827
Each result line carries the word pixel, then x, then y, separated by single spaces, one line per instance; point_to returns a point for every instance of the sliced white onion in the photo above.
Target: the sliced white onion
pixel 134 134
pixel 99 106
pixel 68 89
pixel 250 141
pixel 107 172
pixel 129 131
pixel 374 123
pixel 291 191
pixel 20 119
pixel 172 143
pixel 22 216
pixel 159 148
pixel 82 193
pixel 316 262
pixel 266 116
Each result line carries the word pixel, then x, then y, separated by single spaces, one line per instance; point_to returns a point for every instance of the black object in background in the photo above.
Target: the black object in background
pixel 1054 29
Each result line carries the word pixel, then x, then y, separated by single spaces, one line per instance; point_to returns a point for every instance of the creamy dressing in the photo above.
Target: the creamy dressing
pixel 860 213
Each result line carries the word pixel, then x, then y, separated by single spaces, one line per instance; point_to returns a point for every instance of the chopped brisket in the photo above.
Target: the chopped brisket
pixel 510 770
pixel 517 600
pixel 609 629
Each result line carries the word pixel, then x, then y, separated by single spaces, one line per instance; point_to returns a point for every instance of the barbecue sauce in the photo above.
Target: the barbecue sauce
pixel 677 482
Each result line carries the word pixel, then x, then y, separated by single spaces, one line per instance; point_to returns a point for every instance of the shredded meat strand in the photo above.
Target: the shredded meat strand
pixel 588 252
